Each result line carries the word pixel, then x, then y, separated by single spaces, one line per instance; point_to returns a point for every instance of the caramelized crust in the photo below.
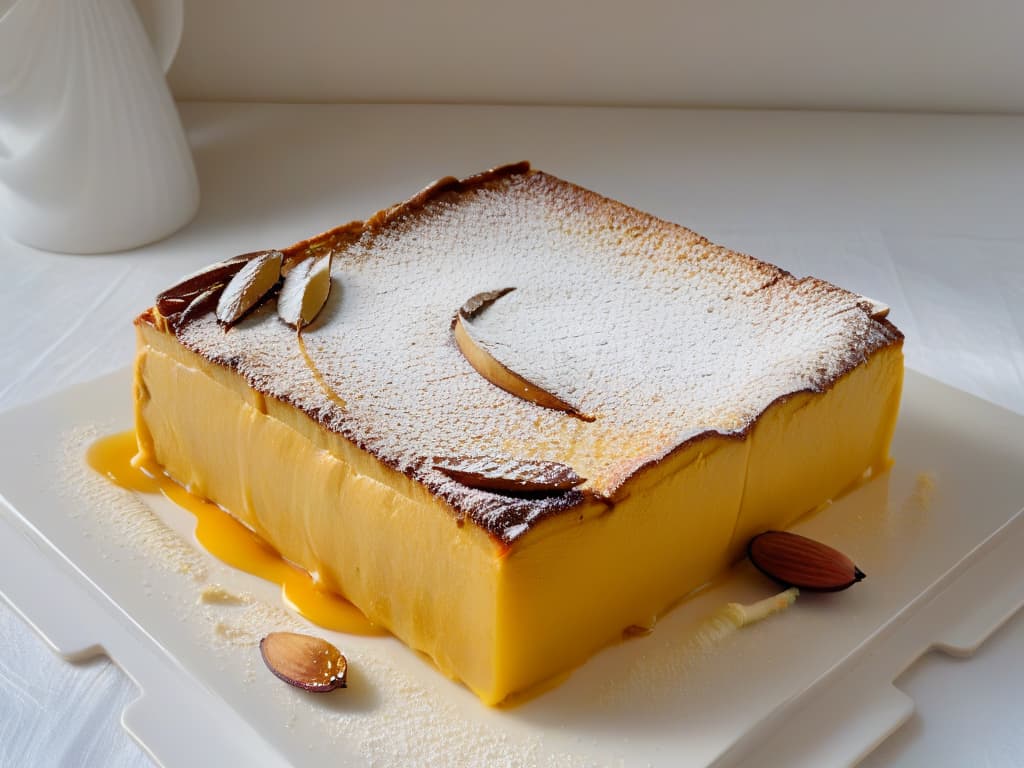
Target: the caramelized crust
pixel 665 337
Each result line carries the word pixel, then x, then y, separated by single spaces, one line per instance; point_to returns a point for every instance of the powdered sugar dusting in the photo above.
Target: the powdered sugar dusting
pixel 140 532
pixel 660 334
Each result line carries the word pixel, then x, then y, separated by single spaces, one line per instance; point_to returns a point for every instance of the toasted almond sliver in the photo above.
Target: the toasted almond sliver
pixel 305 290
pixel 515 475
pixel 200 305
pixel 477 353
pixel 179 295
pixel 251 284
pixel 481 301
pixel 878 310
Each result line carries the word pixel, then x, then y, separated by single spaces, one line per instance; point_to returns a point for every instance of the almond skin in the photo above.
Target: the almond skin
pixel 176 298
pixel 307 662
pixel 797 561
pixel 481 301
pixel 876 309
pixel 491 368
pixel 512 475
pixel 200 305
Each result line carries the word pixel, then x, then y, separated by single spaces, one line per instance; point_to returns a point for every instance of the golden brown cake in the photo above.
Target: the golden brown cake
pixel 707 396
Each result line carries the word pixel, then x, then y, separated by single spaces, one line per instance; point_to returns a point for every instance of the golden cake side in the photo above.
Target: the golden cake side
pixel 501 591
pixel 366 531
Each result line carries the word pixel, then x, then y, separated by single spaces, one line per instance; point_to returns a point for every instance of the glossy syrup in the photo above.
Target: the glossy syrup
pixel 227 539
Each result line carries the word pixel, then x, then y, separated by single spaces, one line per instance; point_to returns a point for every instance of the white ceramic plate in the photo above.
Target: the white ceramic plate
pixel 938 536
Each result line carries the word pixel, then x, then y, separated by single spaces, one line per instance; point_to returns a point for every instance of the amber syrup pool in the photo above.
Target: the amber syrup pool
pixel 227 539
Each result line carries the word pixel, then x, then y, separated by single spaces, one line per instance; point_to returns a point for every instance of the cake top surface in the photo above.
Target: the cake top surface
pixel 654 333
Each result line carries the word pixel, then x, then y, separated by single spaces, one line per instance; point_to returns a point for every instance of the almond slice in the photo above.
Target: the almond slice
pixel 169 306
pixel 481 301
pixel 251 284
pixel 307 662
pixel 877 309
pixel 516 475
pixel 176 298
pixel 201 304
pixel 305 291
pixel 796 561
pixel 493 369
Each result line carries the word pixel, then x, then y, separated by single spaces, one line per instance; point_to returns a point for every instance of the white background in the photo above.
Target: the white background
pixel 921 212
pixel 871 54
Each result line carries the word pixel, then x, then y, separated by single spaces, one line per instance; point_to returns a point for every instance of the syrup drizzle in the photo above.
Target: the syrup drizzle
pixel 227 539
pixel 337 399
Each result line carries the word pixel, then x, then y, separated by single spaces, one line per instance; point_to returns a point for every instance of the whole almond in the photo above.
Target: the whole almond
pixel 251 284
pixel 307 662
pixel 797 561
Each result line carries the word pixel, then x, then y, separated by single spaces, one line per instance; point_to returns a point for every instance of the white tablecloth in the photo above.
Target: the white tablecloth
pixel 925 213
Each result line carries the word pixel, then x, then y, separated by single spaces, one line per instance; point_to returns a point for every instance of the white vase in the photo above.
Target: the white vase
pixel 93 157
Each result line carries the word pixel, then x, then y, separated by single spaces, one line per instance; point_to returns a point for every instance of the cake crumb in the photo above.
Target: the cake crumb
pixel 231 633
pixel 217 595
pixel 733 616
pixel 249 620
pixel 660 673
pixel 921 497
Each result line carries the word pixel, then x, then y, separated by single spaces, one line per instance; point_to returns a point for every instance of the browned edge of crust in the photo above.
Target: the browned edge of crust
pixel 352 231
pixel 595 201
pixel 616 495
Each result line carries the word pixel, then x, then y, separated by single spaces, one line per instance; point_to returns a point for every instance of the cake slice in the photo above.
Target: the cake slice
pixel 407 446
